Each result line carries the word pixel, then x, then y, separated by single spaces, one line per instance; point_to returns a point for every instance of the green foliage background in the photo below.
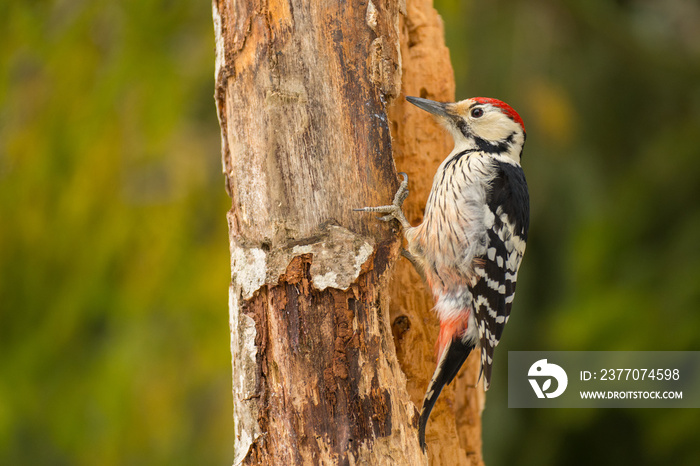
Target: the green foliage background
pixel 113 248
pixel 113 265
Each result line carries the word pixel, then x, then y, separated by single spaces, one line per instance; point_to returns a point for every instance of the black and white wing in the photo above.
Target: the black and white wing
pixel 507 222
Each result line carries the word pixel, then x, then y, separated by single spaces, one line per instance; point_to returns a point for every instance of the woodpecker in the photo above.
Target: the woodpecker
pixel 472 239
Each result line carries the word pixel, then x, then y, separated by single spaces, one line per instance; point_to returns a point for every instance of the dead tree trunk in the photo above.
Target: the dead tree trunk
pixel 302 95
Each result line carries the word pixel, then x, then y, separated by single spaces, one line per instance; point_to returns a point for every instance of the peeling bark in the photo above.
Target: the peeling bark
pixel 302 92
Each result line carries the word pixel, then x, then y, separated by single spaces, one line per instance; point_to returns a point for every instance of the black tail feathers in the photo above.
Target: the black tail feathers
pixel 447 368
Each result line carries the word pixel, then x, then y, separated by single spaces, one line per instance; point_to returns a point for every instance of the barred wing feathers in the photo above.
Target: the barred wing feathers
pixel 507 222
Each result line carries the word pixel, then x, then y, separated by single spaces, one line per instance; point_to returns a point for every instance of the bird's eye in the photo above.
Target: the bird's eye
pixel 477 112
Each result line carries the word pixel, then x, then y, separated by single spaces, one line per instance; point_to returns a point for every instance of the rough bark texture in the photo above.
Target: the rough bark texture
pixel 302 95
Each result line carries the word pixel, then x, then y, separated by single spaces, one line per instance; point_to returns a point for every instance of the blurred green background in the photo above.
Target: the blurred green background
pixel 114 344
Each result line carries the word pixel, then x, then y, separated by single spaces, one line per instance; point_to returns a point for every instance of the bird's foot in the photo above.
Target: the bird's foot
pixel 393 211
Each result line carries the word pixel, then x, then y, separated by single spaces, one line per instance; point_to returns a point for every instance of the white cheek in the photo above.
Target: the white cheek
pixel 493 127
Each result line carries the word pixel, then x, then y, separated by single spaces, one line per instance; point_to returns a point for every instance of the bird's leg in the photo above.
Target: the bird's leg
pixel 416 265
pixel 393 211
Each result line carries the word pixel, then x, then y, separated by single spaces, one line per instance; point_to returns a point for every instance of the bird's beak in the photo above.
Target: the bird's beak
pixel 430 106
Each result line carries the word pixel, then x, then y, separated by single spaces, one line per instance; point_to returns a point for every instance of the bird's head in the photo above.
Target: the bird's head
pixel 479 123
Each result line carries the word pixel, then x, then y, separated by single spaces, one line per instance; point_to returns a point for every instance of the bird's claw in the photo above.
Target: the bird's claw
pixel 393 211
pixel 402 192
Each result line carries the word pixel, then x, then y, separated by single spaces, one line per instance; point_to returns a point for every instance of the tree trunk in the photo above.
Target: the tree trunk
pixel 302 95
